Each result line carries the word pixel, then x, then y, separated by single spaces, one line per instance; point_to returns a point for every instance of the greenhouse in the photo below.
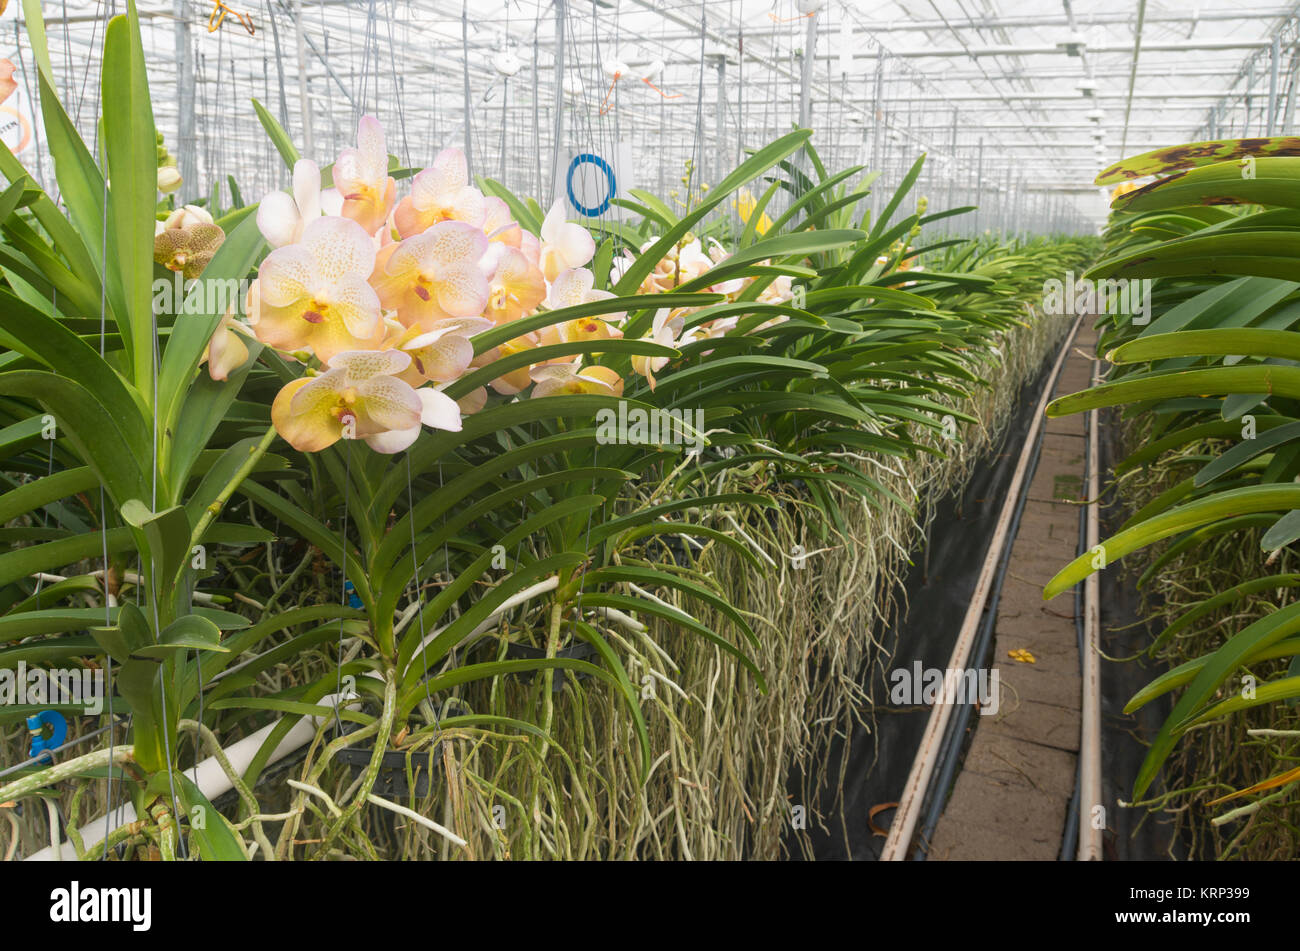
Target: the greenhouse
pixel 594 430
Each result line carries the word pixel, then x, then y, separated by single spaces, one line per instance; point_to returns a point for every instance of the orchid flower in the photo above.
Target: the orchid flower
pixel 516 287
pixel 7 82
pixel 315 294
pixel 434 275
pixel 779 291
pixel 361 178
pixel 567 379
pixel 360 396
pixel 692 262
pixel 441 192
pixel 226 350
pixel 186 241
pixel 718 254
pixel 667 331
pixel 499 225
pixel 281 217
pixel 516 380
pixel 564 246
pixel 574 287
pixel 745 205
pixel 441 354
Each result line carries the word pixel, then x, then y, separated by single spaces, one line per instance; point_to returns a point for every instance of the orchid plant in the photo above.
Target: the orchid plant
pixel 409 391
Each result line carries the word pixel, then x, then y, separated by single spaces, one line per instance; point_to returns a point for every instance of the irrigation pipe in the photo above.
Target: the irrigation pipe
pixel 912 799
pixel 1070 838
pixel 212 779
pixel 208 776
pixel 1090 831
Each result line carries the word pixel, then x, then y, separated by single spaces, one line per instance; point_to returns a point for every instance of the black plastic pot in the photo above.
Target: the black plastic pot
pixel 579 651
pixel 391 782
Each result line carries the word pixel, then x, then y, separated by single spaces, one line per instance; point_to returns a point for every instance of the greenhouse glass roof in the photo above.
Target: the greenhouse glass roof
pixel 1030 99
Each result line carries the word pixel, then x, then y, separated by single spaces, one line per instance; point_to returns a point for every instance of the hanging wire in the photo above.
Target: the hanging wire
pixel 343 586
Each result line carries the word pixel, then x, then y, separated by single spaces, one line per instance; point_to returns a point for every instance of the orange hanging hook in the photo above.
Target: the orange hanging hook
pixel 606 105
pixel 776 19
pixel 675 95
pixel 218 17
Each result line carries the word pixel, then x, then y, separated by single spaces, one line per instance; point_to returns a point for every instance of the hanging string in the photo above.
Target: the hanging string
pixel 153 586
pixel 49 468
pixel 103 503
pixel 419 593
pixel 343 587
pixel 398 89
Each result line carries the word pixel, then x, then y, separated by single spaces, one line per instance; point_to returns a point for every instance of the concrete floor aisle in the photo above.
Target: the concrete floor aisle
pixel 1014 786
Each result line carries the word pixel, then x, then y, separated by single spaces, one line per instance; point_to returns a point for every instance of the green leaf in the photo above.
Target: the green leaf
pixel 216 840
pixel 131 145
pixel 167 533
pixel 1236 502
pixel 279 138
pixel 191 632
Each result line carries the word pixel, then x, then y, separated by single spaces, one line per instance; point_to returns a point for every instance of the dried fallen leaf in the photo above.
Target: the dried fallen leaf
pixel 1273 782
pixel 1022 656
pixel 875 811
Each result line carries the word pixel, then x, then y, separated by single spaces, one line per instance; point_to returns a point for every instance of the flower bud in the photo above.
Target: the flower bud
pixel 168 179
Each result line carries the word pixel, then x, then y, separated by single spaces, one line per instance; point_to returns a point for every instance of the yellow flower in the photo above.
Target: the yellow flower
pixel 441 192
pixel 434 275
pixel 745 205
pixel 361 177
pixel 569 379
pixel 315 294
pixel 360 397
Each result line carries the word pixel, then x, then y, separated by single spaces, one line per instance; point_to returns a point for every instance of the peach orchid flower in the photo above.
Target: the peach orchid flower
pixel 568 379
pixel 441 192
pixel 518 379
pixel 281 217
pixel 315 294
pixel 499 225
pixel 434 275
pixel 564 246
pixel 361 178
pixel 442 354
pixel 516 286
pixel 360 397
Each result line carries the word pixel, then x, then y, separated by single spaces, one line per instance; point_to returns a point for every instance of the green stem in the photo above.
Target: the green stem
pixel 64 770
pixel 255 453
pixel 372 768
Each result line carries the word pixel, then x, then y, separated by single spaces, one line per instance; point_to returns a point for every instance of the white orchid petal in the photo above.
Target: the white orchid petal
pixel 440 410
pixel 278 219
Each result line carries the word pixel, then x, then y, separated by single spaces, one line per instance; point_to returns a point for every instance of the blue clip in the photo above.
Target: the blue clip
pixel 42 745
pixel 350 590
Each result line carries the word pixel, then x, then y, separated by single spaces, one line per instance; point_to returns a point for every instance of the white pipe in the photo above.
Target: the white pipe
pixel 207 775
pixel 1090 832
pixel 212 779
pixel 898 844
